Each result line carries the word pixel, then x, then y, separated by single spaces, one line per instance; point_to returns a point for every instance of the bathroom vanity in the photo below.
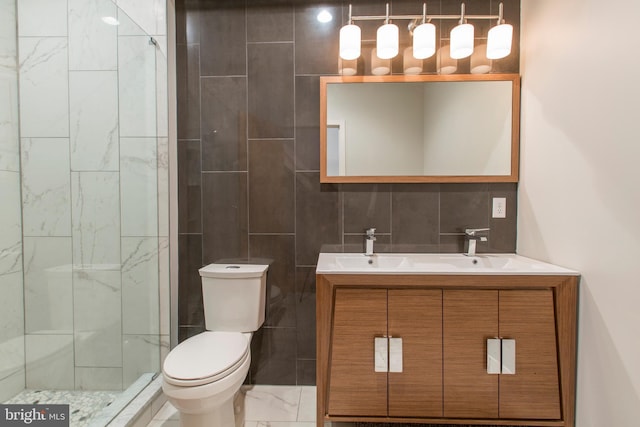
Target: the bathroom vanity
pixel 445 338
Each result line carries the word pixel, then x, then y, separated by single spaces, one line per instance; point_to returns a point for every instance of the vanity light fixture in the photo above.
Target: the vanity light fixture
pixel 424 37
pixel 424 40
pixel 462 38
pixel 350 40
pixel 387 39
pixel 499 38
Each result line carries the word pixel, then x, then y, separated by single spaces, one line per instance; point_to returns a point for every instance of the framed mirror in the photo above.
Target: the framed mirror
pixel 424 128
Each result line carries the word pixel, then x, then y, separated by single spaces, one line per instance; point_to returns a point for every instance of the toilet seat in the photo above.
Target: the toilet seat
pixel 205 358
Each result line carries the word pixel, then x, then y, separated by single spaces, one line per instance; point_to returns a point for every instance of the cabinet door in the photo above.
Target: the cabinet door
pixel 416 317
pixel 470 318
pixel 354 387
pixel 533 392
pixel 526 316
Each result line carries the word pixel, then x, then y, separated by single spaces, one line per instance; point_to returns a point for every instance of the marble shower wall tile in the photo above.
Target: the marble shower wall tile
pixel 139 186
pixel 12 366
pixel 50 362
pixel 11 325
pixel 9 140
pixel 162 95
pixel 163 186
pixel 12 362
pixel 92 43
pixel 141 354
pixel 140 298
pixel 97 297
pixel 46 190
pixel 164 285
pixel 150 14
pixel 93 103
pixel 12 384
pixel 137 86
pixel 42 18
pixel 127 27
pixel 47 282
pixel 95 204
pixel 7 31
pixel 78 77
pixel 11 314
pixel 98 378
pixel 11 236
pixel 44 87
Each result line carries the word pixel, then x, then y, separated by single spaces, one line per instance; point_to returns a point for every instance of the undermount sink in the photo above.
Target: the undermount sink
pixel 418 263
pixel 349 261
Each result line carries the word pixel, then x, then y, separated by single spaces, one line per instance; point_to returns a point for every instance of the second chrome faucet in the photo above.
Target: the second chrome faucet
pixel 370 238
pixel 472 237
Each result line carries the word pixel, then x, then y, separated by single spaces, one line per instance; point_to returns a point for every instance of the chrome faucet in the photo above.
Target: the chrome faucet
pixel 472 238
pixel 370 232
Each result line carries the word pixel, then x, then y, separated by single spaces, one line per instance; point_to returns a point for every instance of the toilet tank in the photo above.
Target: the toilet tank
pixel 234 296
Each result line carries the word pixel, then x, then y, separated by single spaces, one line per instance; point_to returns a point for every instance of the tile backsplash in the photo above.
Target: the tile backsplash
pixel 248 168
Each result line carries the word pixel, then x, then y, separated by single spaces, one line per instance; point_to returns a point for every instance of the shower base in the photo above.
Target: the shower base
pixel 83 405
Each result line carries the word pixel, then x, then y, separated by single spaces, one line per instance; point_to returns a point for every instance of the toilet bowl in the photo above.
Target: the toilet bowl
pixel 202 375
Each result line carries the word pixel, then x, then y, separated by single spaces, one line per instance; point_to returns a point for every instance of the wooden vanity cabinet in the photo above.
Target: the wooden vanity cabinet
pixel 359 317
pixel 444 323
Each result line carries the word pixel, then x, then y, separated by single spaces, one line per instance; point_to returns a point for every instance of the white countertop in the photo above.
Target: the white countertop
pixel 429 263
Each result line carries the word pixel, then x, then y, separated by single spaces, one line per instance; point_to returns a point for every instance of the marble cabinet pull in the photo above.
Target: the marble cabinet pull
pixel 381 354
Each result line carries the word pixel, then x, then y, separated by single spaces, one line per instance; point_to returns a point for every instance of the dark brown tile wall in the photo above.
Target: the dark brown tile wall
pixel 248 165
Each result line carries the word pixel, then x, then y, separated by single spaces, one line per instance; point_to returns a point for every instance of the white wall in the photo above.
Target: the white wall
pixel 579 196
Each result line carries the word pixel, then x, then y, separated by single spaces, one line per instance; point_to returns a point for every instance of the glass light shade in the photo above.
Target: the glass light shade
pixel 387 41
pixel 424 41
pixel 462 41
pixel 350 42
pixel 379 66
pixel 347 67
pixel 444 63
pixel 499 41
pixel 480 64
pixel 411 65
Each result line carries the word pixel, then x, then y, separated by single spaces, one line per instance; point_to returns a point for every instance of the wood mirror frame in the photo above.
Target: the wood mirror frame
pixel 515 129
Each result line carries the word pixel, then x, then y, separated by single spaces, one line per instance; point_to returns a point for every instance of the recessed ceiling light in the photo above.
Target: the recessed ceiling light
pixel 324 16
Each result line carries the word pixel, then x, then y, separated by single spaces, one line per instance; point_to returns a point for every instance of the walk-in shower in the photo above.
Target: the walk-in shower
pixel 84 261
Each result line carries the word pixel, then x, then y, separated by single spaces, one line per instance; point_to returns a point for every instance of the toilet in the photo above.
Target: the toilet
pixel 202 375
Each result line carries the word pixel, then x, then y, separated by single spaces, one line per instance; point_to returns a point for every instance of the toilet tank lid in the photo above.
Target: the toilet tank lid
pixel 239 271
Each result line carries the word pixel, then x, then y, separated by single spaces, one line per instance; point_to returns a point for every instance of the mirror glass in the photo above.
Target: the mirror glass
pixel 419 128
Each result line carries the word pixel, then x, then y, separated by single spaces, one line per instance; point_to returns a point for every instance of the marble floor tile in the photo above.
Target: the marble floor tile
pixel 307 408
pixel 264 406
pixel 272 403
pixel 167 412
